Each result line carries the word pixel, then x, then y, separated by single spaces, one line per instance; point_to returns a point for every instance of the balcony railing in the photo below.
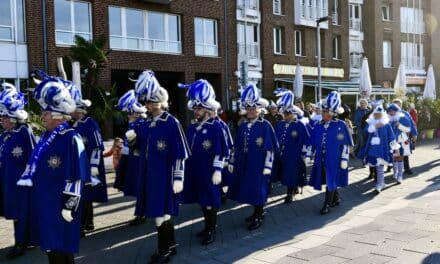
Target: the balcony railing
pixel 143 44
pixel 355 61
pixel 412 27
pixel 313 12
pixel 355 24
pixel 250 50
pixel 414 63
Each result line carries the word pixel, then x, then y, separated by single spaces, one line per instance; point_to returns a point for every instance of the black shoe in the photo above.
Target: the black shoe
pixel 89 227
pixel 209 237
pixel 82 233
pixel 288 199
pixel 251 218
pixel 325 210
pixel 336 199
pixel 328 199
pixel 256 223
pixel 160 257
pixel 15 252
pixel 137 221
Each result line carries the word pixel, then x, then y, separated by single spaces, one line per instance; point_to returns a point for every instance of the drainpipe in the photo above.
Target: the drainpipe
pixel 226 52
pixel 43 12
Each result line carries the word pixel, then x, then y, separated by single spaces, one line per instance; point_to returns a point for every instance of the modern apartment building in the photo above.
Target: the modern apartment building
pixel 13 43
pixel 397 35
pixel 290 29
pixel 180 40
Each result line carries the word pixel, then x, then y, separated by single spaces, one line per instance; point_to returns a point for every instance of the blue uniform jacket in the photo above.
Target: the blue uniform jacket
pixel 90 133
pixel 380 143
pixel 255 146
pixel 209 149
pixel 330 142
pixel 63 167
pixel 164 149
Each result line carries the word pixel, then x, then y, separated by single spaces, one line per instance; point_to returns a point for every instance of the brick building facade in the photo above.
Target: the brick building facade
pixel 124 62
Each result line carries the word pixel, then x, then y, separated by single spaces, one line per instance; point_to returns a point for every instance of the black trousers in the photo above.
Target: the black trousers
pixel 406 163
pixel 56 257
pixel 87 214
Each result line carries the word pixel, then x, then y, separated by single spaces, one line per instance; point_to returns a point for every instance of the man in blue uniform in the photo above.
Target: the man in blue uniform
pixel 16 144
pixel 292 136
pixel 380 144
pixel 128 173
pixel 401 127
pixel 251 164
pixel 208 148
pixel 412 136
pixel 330 140
pixel 164 149
pixel 55 173
pixel 88 129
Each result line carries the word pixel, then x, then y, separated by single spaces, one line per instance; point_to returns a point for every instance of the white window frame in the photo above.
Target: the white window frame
pixel 72 24
pixel 277 7
pixel 387 54
pixel 252 46
pixel 298 33
pixel 10 26
pixel 278 42
pixel 335 13
pixel 336 46
pixel 145 43
pixel 203 44
pixel 387 12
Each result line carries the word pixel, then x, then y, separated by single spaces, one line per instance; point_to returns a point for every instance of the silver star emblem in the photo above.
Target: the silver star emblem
pixel 207 144
pixel 259 141
pixel 17 152
pixel 161 145
pixel 340 136
pixel 54 162
pixel 153 124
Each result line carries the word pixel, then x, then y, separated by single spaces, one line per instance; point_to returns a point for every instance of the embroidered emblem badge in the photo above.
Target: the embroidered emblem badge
pixel 259 141
pixel 153 124
pixel 161 145
pixel 207 144
pixel 54 162
pixel 340 136
pixel 294 133
pixel 17 152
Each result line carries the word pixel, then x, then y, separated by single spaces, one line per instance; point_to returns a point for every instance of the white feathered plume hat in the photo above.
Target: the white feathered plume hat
pixel 12 102
pixel 201 94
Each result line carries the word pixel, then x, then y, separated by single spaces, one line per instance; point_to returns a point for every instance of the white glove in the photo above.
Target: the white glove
pixel 94 181
pixel 217 177
pixel 267 171
pixel 225 189
pixel 307 160
pixel 344 164
pixel 231 168
pixel 177 186
pixel 94 171
pixel 67 215
pixel 130 135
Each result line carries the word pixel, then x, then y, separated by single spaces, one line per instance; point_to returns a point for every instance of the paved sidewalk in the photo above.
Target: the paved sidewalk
pixel 401 225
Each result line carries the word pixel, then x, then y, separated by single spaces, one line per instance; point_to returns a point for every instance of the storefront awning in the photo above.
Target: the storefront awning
pixel 343 87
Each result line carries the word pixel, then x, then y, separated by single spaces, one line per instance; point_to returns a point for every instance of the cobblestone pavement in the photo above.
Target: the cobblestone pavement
pixel 401 225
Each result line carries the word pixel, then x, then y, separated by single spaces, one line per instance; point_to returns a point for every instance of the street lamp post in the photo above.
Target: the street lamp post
pixel 318 48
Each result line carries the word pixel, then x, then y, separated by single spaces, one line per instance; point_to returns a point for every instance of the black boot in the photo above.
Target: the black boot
pixel 258 218
pixel 251 218
pixel 372 172
pixel 15 252
pixel 209 236
pixel 326 207
pixel 336 201
pixel 201 233
pixel 172 245
pixel 163 252
pixel 137 220
pixel 289 195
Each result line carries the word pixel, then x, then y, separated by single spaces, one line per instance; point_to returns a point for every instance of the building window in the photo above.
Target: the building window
pixel 355 17
pixel 7 23
pixel 337 47
pixel 278 39
pixel 411 20
pixel 412 55
pixel 72 18
pixel 205 31
pixel 249 4
pixel 277 7
pixel 298 43
pixel 248 40
pixel 386 15
pixel 134 29
pixel 335 13
pixel 313 9
pixel 387 54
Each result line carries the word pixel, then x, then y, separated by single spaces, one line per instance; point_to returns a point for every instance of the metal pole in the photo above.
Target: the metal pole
pixel 226 54
pixel 318 48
